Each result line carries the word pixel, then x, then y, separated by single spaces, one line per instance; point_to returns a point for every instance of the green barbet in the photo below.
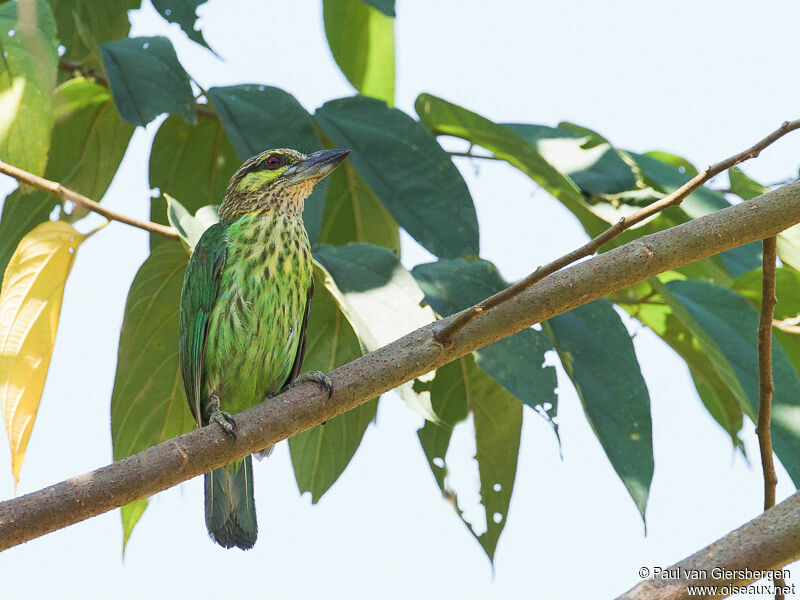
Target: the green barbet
pixel 243 316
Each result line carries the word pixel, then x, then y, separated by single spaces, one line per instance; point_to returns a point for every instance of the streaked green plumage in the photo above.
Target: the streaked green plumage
pixel 244 309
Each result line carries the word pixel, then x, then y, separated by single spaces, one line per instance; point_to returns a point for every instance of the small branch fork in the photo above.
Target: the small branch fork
pixel 59 191
pixel 445 332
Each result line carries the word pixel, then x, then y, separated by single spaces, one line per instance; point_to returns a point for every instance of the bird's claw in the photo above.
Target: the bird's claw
pixel 315 376
pixel 225 420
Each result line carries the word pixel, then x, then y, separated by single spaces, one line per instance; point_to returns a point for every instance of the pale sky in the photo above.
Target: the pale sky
pixel 703 80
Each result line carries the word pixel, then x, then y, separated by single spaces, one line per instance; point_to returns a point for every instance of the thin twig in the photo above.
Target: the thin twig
pixel 471 155
pixel 445 332
pixel 766 385
pixel 58 190
pixel 73 67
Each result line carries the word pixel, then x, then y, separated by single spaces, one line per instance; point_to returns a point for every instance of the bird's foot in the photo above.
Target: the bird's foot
pixel 225 421
pixel 315 376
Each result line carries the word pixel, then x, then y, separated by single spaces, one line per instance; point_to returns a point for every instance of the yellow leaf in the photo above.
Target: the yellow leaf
pixel 30 304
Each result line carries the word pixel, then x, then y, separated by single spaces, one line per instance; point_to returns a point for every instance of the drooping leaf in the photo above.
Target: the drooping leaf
pixel 191 163
pixel 597 354
pixel 84 112
pixel 83 24
pixel 260 117
pixel 147 80
pixel 354 214
pixel 184 13
pixel 131 513
pixel 321 454
pixel 731 323
pixel 516 362
pixel 413 177
pixel 380 299
pixel 718 392
pixel 361 38
pixel 497 418
pixel 148 404
pixel 30 305
pixel 27 78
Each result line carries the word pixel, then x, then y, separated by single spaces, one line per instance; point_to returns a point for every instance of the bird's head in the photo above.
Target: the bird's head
pixel 278 179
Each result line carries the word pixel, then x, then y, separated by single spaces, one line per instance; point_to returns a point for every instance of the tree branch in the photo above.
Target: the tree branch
pixel 186 456
pixel 766 385
pixel 59 191
pixel 445 332
pixel 766 543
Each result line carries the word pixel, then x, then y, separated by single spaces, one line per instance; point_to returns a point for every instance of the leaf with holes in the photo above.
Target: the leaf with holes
pixel 148 404
pixel 30 305
pixel 597 353
pixel 497 417
pixel 361 38
pixel 147 80
pixel 320 455
pixel 413 177
pixel 184 13
pixel 515 362
pixel 27 78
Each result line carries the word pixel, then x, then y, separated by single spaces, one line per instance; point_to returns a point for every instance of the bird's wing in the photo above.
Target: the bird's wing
pixel 198 297
pixel 301 346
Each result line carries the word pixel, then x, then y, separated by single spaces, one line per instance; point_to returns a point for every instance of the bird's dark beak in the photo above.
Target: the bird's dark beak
pixel 316 166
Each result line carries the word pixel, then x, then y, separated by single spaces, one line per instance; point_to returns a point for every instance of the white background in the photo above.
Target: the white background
pixel 701 79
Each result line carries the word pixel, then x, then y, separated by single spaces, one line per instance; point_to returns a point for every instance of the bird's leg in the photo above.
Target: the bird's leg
pixel 315 376
pixel 215 415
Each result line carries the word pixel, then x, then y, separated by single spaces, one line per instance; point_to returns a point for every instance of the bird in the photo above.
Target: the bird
pixel 244 311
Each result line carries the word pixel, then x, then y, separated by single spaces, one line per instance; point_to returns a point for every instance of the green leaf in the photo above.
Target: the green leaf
pixel 27 78
pixel 497 418
pixel 148 404
pixel 385 6
pixel 410 173
pixel 354 214
pixel 680 163
pixel 787 290
pixel 21 213
pixel 184 13
pixel 731 322
pixel 147 80
pixel 131 513
pixel 82 24
pixel 516 362
pixel 190 227
pixel 789 246
pixel 597 353
pixel 743 186
pixel 191 163
pixel 84 111
pixel 380 299
pixel 361 38
pixel 321 454
pixel 259 117
pixel 717 391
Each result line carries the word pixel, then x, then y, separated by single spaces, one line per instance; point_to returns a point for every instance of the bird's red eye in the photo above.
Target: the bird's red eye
pixel 273 161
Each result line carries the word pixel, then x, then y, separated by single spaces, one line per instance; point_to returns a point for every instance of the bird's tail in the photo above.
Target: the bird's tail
pixel 230 505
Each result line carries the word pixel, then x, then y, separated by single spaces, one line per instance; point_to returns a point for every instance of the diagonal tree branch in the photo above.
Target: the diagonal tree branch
pixel 59 191
pixel 445 331
pixel 197 452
